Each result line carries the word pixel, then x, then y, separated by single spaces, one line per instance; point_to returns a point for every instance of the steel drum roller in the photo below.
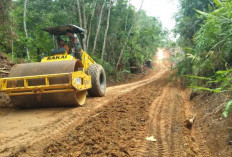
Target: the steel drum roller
pixel 65 99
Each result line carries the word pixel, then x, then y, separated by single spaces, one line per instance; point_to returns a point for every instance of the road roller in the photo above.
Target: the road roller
pixel 59 80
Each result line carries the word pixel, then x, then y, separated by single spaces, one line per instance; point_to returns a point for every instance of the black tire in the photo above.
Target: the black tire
pixel 98 79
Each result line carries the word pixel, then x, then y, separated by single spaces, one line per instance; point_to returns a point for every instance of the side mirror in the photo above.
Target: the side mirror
pixel 82 35
pixel 42 56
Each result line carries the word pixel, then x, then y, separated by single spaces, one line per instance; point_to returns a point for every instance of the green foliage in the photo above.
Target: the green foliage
pixel 206 62
pixel 5 30
pixel 206 41
pixel 211 43
pixel 188 22
pixel 217 2
pixel 222 83
pixel 146 36
pixel 228 108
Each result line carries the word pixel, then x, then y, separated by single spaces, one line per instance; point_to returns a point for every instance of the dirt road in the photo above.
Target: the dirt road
pixel 115 125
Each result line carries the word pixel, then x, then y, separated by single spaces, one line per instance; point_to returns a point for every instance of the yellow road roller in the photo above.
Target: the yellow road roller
pixel 59 80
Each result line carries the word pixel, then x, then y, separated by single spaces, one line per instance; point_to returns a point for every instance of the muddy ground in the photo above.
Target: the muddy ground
pixel 5 66
pixel 120 123
pixel 211 125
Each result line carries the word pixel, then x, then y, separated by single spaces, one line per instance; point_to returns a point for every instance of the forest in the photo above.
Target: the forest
pixel 116 34
pixel 141 87
pixel 205 40
pixel 122 38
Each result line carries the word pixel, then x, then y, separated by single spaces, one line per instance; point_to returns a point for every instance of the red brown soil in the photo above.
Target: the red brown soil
pixel 25 132
pixel 5 66
pixel 119 123
pixel 112 130
pixel 211 125
pixel 120 128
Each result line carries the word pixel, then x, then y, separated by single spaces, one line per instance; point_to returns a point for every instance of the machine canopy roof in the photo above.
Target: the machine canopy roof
pixel 61 30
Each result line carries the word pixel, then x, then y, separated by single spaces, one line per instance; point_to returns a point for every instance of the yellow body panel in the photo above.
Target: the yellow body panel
pixel 78 81
pixel 63 57
pixel 81 81
pixel 85 58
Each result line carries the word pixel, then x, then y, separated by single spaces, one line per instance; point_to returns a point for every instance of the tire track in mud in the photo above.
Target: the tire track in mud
pixel 177 127
pixel 156 128
pixel 202 146
pixel 195 139
pixel 119 127
pixel 64 120
pixel 113 130
pixel 162 125
pixel 169 111
pixel 166 124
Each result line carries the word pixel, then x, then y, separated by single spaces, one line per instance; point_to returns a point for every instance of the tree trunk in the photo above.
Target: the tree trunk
pixel 2 11
pixel 79 12
pixel 12 44
pixel 98 27
pixel 85 27
pixel 122 51
pixel 12 49
pixel 127 16
pixel 25 27
pixel 90 25
pixel 54 42
pixel 106 31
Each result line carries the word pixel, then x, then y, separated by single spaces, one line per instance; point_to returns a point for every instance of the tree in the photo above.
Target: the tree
pixel 127 16
pixel 103 31
pixel 79 13
pixel 85 26
pixel 98 27
pixel 187 21
pixel 90 24
pixel 5 21
pixel 106 31
pixel 122 51
pixel 25 27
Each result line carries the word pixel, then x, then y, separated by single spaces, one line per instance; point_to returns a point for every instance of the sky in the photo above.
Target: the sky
pixel 162 9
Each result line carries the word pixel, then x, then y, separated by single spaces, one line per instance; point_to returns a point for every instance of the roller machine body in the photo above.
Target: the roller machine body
pixel 59 80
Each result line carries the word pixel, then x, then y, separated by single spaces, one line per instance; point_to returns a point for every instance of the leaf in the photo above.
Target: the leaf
pixel 191 56
pixel 217 2
pixel 201 12
pixel 200 88
pixel 223 72
pixel 216 90
pixel 197 77
pixel 151 139
pixel 227 109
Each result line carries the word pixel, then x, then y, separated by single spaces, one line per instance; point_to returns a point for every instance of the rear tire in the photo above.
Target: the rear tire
pixel 98 80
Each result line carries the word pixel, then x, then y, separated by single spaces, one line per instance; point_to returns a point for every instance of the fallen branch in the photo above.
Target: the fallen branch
pixel 3 71
pixel 4 68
